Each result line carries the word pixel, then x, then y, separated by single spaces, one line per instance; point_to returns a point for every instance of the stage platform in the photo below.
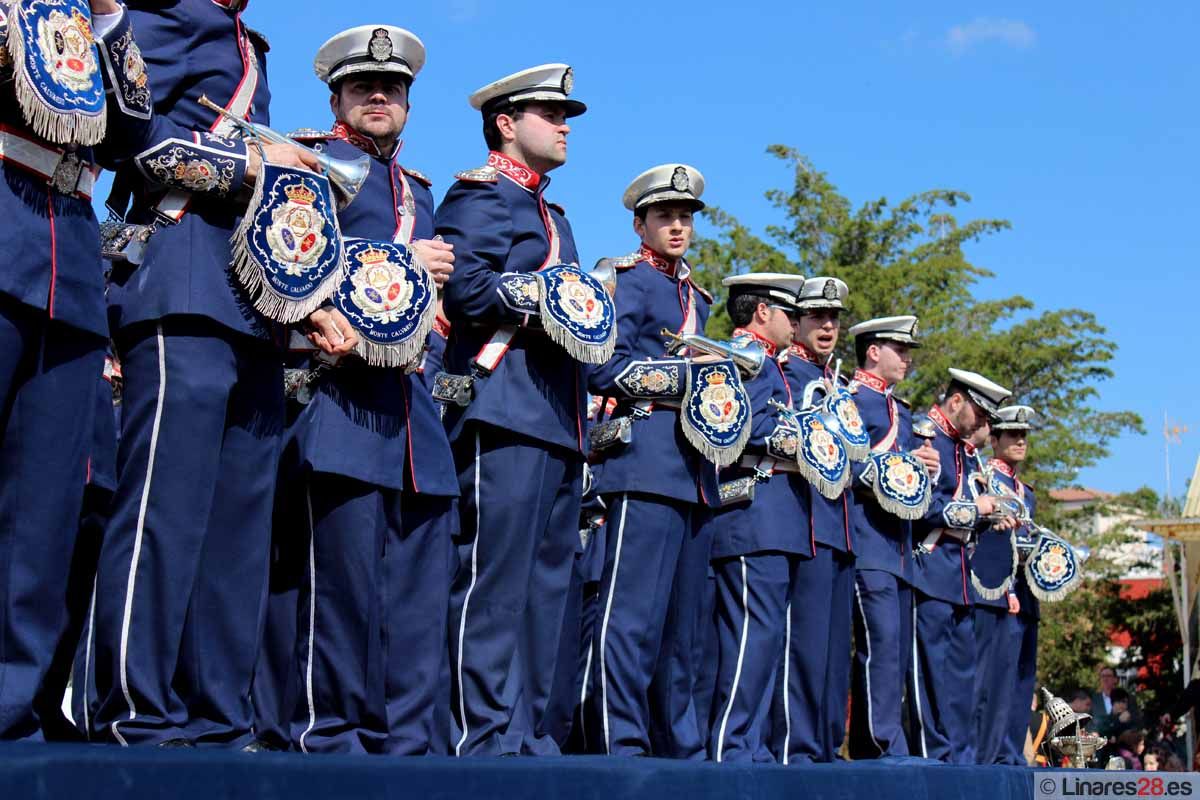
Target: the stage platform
pixel 78 772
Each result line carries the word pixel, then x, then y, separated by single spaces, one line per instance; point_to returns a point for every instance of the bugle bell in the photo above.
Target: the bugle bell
pixel 347 176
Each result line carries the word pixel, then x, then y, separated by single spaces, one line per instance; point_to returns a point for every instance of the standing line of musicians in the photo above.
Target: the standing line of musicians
pixel 297 547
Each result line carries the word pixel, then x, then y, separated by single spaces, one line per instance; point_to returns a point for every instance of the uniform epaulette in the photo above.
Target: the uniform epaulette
pixel 311 133
pixel 902 401
pixel 557 208
pixel 483 174
pixel 705 293
pixel 412 173
pixel 625 262
pixel 262 39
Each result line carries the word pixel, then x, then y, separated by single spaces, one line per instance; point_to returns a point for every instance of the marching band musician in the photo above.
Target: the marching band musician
pixel 65 107
pixel 1005 626
pixel 883 543
pixel 941 693
pixel 818 640
pixel 756 536
pixel 182 569
pixel 378 476
pixel 515 411
pixel 656 487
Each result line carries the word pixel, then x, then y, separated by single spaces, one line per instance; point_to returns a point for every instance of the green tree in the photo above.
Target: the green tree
pixel 1076 633
pixel 910 257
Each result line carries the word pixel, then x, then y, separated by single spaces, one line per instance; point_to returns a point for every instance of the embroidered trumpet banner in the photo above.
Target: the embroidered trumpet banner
pixel 577 313
pixel 390 299
pixel 1053 569
pixel 715 413
pixel 900 483
pixel 287 251
pixel 56 69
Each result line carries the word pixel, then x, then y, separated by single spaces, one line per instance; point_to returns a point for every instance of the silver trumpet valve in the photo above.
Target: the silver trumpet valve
pixel 347 176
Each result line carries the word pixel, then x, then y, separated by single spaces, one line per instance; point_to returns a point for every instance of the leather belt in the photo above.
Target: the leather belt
pixel 64 171
pixel 768 464
pixel 959 534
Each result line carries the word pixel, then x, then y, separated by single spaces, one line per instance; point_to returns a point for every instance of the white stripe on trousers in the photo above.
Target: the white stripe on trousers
pixel 916 687
pixel 612 587
pixel 787 695
pixel 131 581
pixel 862 612
pixel 737 672
pixel 312 617
pixel 462 622
pixel 87 663
pixel 583 693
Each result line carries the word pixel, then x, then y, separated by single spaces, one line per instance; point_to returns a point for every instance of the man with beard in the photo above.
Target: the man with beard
pixel 943 676
pixel 375 479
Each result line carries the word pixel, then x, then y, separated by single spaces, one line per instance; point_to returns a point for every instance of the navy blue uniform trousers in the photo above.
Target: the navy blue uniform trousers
pixel 357 588
pixel 882 655
pixel 942 682
pixel 809 722
pixel 654 573
pixel 418 566
pixel 751 621
pixel 1007 654
pixel 47 377
pixel 519 505
pixel 182 574
pixel 1025 640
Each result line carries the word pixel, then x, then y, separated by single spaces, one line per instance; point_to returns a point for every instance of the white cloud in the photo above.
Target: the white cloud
pixel 1011 32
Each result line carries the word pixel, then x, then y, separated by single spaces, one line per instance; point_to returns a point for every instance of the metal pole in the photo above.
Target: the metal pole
pixel 1167 457
pixel 1187 647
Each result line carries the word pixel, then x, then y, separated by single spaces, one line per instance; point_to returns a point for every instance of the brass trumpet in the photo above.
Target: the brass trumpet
pixel 749 358
pixel 346 176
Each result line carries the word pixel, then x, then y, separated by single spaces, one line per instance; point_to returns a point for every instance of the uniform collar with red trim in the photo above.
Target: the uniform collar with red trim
pixel 1003 467
pixel 672 268
pixel 767 344
pixel 233 5
pixel 365 143
pixel 516 171
pixel 870 380
pixel 803 353
pixel 947 427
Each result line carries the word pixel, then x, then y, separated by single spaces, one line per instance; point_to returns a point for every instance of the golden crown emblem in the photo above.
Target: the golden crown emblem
pixel 371 255
pixel 570 276
pixel 299 193
pixel 715 378
pixel 84 25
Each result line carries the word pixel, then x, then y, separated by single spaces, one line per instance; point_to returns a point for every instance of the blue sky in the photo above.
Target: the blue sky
pixel 1076 121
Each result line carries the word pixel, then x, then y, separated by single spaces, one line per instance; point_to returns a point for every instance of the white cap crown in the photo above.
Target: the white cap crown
pixel 665 183
pixel 986 393
pixel 901 329
pixel 822 292
pixel 547 83
pixel 370 49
